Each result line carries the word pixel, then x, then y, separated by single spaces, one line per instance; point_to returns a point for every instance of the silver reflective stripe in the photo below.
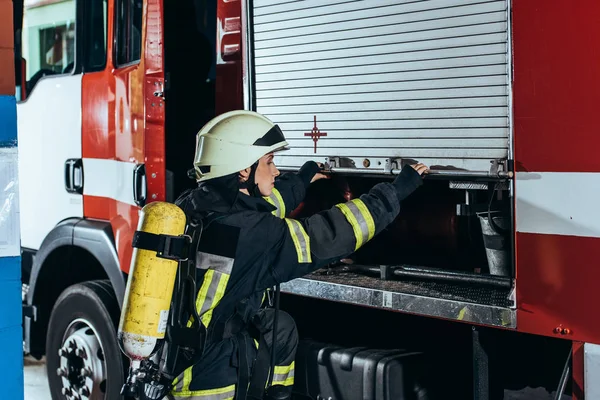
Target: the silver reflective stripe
pixel 179 385
pixel 301 240
pixel 275 200
pixel 280 378
pixel 362 222
pixel 198 396
pixel 211 293
pixel 218 270
pixel 215 262
pixel 359 217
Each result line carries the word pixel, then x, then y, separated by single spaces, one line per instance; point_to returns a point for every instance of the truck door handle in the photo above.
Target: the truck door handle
pixel 74 175
pixel 139 185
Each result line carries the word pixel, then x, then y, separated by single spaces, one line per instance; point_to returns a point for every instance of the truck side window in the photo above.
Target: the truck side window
pixel 93 45
pixel 48 40
pixel 128 31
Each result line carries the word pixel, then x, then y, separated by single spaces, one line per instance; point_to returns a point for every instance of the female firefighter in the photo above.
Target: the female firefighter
pixel 248 245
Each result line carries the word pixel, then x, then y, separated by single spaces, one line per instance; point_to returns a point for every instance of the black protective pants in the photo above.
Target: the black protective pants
pixel 215 376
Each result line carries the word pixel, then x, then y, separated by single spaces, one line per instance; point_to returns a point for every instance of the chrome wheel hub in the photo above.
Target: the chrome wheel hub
pixel 82 364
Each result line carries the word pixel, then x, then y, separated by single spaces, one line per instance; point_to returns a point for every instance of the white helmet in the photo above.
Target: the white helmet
pixel 234 141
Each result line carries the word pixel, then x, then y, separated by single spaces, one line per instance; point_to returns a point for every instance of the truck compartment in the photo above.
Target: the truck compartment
pixel 368 87
pixel 440 257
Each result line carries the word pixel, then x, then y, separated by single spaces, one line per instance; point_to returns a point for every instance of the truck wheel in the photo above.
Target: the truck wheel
pixel 82 354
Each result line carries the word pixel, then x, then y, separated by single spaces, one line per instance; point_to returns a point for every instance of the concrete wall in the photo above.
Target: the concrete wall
pixel 11 342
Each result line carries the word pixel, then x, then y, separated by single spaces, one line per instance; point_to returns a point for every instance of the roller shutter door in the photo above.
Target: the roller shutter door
pixel 423 80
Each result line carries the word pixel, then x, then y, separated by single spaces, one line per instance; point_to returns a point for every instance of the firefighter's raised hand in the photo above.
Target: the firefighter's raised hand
pixel 319 175
pixel 420 168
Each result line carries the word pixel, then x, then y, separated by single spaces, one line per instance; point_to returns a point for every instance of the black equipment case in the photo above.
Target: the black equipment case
pixel 327 372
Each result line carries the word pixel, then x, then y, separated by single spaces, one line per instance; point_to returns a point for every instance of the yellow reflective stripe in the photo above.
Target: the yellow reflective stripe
pixel 354 223
pixel 300 239
pixel 295 240
pixel 366 214
pixel 210 294
pixel 187 379
pixel 271 202
pixel 288 382
pixel 285 369
pixel 224 393
pixel 361 220
pixel 281 203
pixel 200 300
pixel 276 201
pixel 284 375
pixel 178 383
pixel 207 316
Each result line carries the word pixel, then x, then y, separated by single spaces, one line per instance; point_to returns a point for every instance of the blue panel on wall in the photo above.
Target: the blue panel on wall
pixel 11 331
pixel 8 121
pixel 10 268
pixel 10 293
pixel 11 363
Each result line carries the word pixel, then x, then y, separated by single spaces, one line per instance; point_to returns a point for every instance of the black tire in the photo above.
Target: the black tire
pixel 81 307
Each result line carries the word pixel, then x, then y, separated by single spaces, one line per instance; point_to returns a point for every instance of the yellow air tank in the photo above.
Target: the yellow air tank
pixel 150 285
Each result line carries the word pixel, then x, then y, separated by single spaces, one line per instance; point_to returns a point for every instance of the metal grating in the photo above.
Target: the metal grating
pixel 488 296
pixel 423 80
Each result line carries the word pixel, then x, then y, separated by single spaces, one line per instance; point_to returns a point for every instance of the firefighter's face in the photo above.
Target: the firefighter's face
pixel 265 175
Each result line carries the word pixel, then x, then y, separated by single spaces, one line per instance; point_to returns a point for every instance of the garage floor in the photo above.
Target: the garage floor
pixel 36 382
pixel 36 385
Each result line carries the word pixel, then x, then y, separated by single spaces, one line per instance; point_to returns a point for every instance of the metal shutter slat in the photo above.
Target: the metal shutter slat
pixel 274 39
pixel 421 134
pixel 396 77
pixel 433 104
pixel 374 88
pixel 341 13
pixel 397 38
pixel 494 59
pixel 400 124
pixel 394 58
pixel 278 101
pixel 375 50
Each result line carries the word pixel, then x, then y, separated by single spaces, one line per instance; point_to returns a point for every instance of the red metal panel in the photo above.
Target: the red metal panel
pixel 155 108
pixel 229 91
pixel 7 72
pixel 557 286
pixel 6 24
pixel 124 121
pixel 556 85
pixel 7 56
pixel 98 139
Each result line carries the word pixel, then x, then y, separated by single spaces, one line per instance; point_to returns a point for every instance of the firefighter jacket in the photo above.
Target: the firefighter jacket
pixel 249 245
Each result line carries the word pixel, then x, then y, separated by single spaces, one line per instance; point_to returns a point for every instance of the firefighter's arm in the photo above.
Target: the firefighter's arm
pixel 302 246
pixel 290 189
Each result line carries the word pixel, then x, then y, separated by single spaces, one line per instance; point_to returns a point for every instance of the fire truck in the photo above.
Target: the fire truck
pixel 490 271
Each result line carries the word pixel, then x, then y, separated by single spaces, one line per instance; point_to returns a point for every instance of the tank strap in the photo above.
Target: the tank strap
pixel 166 246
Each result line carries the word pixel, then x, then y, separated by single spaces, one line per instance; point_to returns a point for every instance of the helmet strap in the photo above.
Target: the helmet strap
pixel 250 183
